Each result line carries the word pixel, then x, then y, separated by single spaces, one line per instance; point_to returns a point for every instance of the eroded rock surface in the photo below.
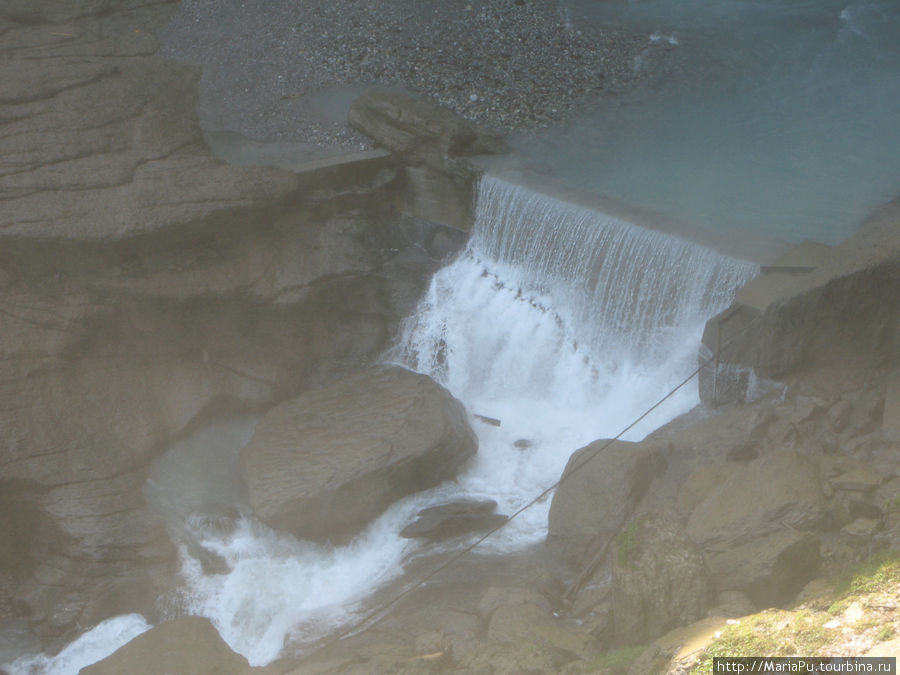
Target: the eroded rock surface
pixel 99 137
pixel 147 288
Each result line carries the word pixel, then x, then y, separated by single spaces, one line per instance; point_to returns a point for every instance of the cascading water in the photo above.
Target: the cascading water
pixel 566 324
pixel 562 322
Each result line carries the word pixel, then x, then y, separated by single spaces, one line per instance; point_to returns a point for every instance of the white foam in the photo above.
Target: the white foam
pixel 662 37
pixel 566 324
pixel 93 646
pixel 278 588
pixel 563 323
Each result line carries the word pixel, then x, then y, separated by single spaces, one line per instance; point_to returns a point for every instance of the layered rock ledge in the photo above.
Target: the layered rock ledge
pixel 147 288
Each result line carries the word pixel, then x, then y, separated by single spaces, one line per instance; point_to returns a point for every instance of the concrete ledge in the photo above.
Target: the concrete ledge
pixel 753 248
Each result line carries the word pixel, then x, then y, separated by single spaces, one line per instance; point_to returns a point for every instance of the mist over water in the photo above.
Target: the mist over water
pixel 778 118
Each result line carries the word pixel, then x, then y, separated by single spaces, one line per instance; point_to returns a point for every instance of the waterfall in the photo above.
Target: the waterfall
pixel 566 324
pixel 553 300
pixel 560 321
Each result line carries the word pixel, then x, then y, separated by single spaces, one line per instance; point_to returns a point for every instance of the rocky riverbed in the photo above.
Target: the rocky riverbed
pixel 284 70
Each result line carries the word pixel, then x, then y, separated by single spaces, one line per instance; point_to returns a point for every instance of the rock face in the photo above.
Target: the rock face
pixel 589 508
pixel 659 580
pixel 774 492
pixel 100 139
pixel 147 288
pixel 755 527
pixel 841 305
pixel 189 645
pixel 326 463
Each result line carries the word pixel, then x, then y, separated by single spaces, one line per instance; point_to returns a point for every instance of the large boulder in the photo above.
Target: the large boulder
pixel 593 502
pixel 775 492
pixel 659 580
pixel 755 527
pixel 324 464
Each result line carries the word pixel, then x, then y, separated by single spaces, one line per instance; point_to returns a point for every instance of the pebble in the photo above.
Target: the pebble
pixel 261 58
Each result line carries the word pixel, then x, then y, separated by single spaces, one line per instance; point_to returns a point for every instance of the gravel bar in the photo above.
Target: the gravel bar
pixel 279 70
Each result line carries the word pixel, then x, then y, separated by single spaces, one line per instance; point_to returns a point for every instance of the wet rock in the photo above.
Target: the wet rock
pixel 187 645
pixel 323 465
pixel 659 580
pixel 593 503
pixel 454 519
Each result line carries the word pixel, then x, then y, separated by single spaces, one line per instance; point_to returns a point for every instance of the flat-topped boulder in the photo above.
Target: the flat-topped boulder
pixel 454 519
pixel 324 464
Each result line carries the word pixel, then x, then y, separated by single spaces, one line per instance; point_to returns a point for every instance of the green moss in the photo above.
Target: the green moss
pixel 871 576
pixel 770 633
pixel 626 541
pixel 893 504
pixel 616 660
pixel 885 633
pixel 801 632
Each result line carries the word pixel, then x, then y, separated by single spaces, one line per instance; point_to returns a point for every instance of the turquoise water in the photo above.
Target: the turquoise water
pixel 779 117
